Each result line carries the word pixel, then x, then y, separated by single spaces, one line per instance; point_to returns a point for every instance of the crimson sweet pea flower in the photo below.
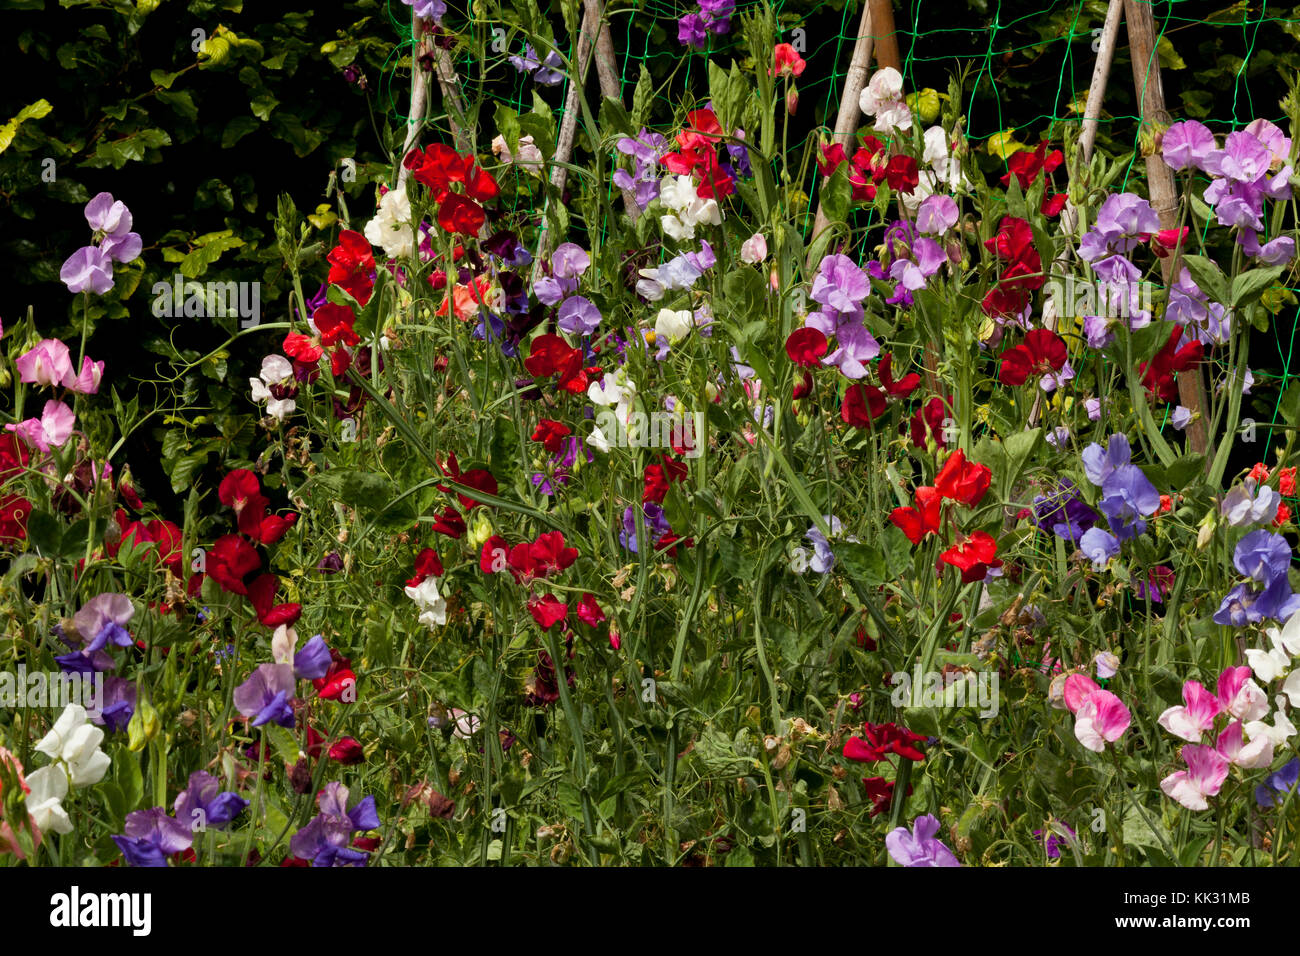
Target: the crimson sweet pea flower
pixel 426 565
pixel 963 481
pixel 1043 351
pixel 438 167
pixel 862 405
pixel 352 265
pixel 450 523
pixel 806 346
pixel 883 739
pixel 1158 375
pixel 917 522
pixel 927 421
pixel 551 355
pixel 335 324
pixel 547 611
pixel 880 793
pixel 230 560
pixel 261 594
pixel 787 61
pixel 1025 164
pixel 238 488
pixel 589 612
pixel 973 555
pixel 902 175
pixel 460 215
pixel 904 386
pixel 479 479
pixel 551 434
pixel 347 751
pixel 339 682
pixel 658 478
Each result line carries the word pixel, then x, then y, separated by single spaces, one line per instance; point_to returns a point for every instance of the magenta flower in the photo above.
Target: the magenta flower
pixel 1204 776
pixel 1196 716
pixel 1187 144
pixel 48 362
pixel 51 430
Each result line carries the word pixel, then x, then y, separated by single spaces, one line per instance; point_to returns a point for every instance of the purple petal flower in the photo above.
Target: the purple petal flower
pixel 578 316
pixel 267 695
pixel 1100 463
pixel 88 268
pixel 200 805
pixel 1187 144
pixel 1127 497
pixel 151 836
pixel 313 661
pixel 920 847
pixel 1099 546
pixel 108 216
pixel 1262 555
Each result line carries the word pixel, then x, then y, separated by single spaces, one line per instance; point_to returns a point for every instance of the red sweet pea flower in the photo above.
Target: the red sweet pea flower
pixel 803 387
pixel 1014 240
pixel 269 528
pixel 805 346
pixel 489 561
pixel 787 60
pixel 551 355
pixel 450 523
pixel 902 388
pixel 917 522
pixel 551 434
pixel 1158 375
pixel 550 555
pixel 1051 206
pixel 1026 165
pixel 973 555
pixel 1168 240
pixel 339 682
pixel 14 457
pixel 589 611
pixel 547 611
pixel 1286 482
pixel 880 793
pixel 261 594
pixel 167 535
pixel 659 477
pixel 831 158
pixel 460 215
pixel 480 185
pixel 352 264
pixel 902 174
pixel 438 167
pixel 230 560
pixel 1005 300
pixel 303 349
pixel 335 324
pixel 347 751
pixel 238 488
pixel 1043 351
pixel 881 740
pixel 479 479
pixel 862 405
pixel 427 565
pixel 671 539
pixel 963 481
pixel 927 421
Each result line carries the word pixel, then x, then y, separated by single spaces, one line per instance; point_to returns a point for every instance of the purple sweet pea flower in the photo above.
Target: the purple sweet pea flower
pixel 102 620
pixel 313 661
pixel 1063 512
pixel 840 285
pixel 920 847
pixel 200 806
pixel 936 214
pixel 1100 463
pixel 267 695
pixel 433 10
pixel 116 706
pixel 656 525
pixel 578 316
pixel 1273 253
pixel 151 836
pixel 1187 144
pixel 1127 497
pixel 1272 792
pixel 1122 219
pixel 325 840
pixel 1246 605
pixel 88 268
pixel 692 31
pixel 551 70
pixel 1181 417
pixel 1262 555
pixel 1243 159
pixel 526 63
pixel 1099 546
pixel 1053 842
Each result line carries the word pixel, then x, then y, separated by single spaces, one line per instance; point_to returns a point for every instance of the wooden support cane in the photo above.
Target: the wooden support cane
pixel 1164 193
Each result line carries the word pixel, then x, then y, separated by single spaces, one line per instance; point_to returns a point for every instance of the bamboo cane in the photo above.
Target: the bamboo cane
pixel 419 96
pixel 846 122
pixel 610 84
pixel 1164 192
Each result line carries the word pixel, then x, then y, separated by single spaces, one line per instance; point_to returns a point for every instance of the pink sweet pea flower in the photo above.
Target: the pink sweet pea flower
pixel 1077 689
pixel 87 383
pixel 1232 747
pixel 45 363
pixel 1194 719
pixel 1102 718
pixel 88 268
pixel 1205 773
pixel 1240 696
pixel 51 430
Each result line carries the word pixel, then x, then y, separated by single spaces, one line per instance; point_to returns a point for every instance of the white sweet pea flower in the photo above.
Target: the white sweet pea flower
pixel 598 441
pixel 1279 732
pixel 391 228
pixel 883 99
pixel 433 607
pixel 275 368
pixel 674 326
pixel 283 643
pixel 936 146
pixel 49 785
pixel 76 742
pixel 754 249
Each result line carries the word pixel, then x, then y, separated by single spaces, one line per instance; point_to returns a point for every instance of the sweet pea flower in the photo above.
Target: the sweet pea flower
pixel 48 788
pixel 1191 720
pixel 754 249
pixel 1204 776
pixel 267 695
pixel 275 386
pixel 200 806
pixel 1242 507
pixel 51 430
pixel 921 846
pixel 1187 144
pixel 936 215
pixel 88 268
pixel 151 836
pixel 431 604
pixel 102 620
pixel 48 362
pixel 1273 791
pixel 883 99
pixel 1101 718
pixel 75 743
pixel 1099 546
pixel 325 841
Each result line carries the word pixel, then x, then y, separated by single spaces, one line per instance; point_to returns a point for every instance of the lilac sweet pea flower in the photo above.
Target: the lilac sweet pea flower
pixel 88 268
pixel 1246 605
pixel 116 707
pixel 1181 417
pixel 433 10
pixel 1100 463
pixel 1063 512
pixel 1099 546
pixel 920 847
pixel 1243 507
pixel 1121 221
pixel 1262 555
pixel 1275 788
pixel 200 806
pixel 1272 253
pixel 152 836
pixel 111 221
pixel 578 316
pixel 313 661
pixel 645 149
pixel 325 840
pixel 840 284
pixel 1187 144
pixel 102 620
pixel 267 695
pixel 692 31
pixel 936 214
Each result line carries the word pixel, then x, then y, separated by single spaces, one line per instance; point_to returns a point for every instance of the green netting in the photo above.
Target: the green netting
pixel 1025 69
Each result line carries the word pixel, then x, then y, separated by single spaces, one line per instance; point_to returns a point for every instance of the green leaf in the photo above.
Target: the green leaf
pixel 1250 285
pixel 44 532
pixel 837 195
pixel 1209 277
pixel 32 111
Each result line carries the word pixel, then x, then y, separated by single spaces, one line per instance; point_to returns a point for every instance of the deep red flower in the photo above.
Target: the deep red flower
pixel 261 594
pixel 438 167
pixel 238 488
pixel 347 751
pixel 972 554
pixel 1025 164
pixel 806 346
pixel 917 522
pixel 658 478
pixel 549 554
pixel 551 355
pixel 965 482
pixel 862 405
pixel 352 264
pixel 1043 351
pixel 427 565
pixel 551 434
pixel 902 175
pixel 303 349
pixel 14 510
pixel 1158 374
pixel 339 682
pixel 1168 240
pixel 1051 206
pixel 460 215
pixel 589 612
pixel 904 386
pixel 450 523
pixel 335 324
pixel 547 611
pixel 880 793
pixel 928 422
pixel 480 185
pixel 492 559
pixel 878 740
pixel 230 560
